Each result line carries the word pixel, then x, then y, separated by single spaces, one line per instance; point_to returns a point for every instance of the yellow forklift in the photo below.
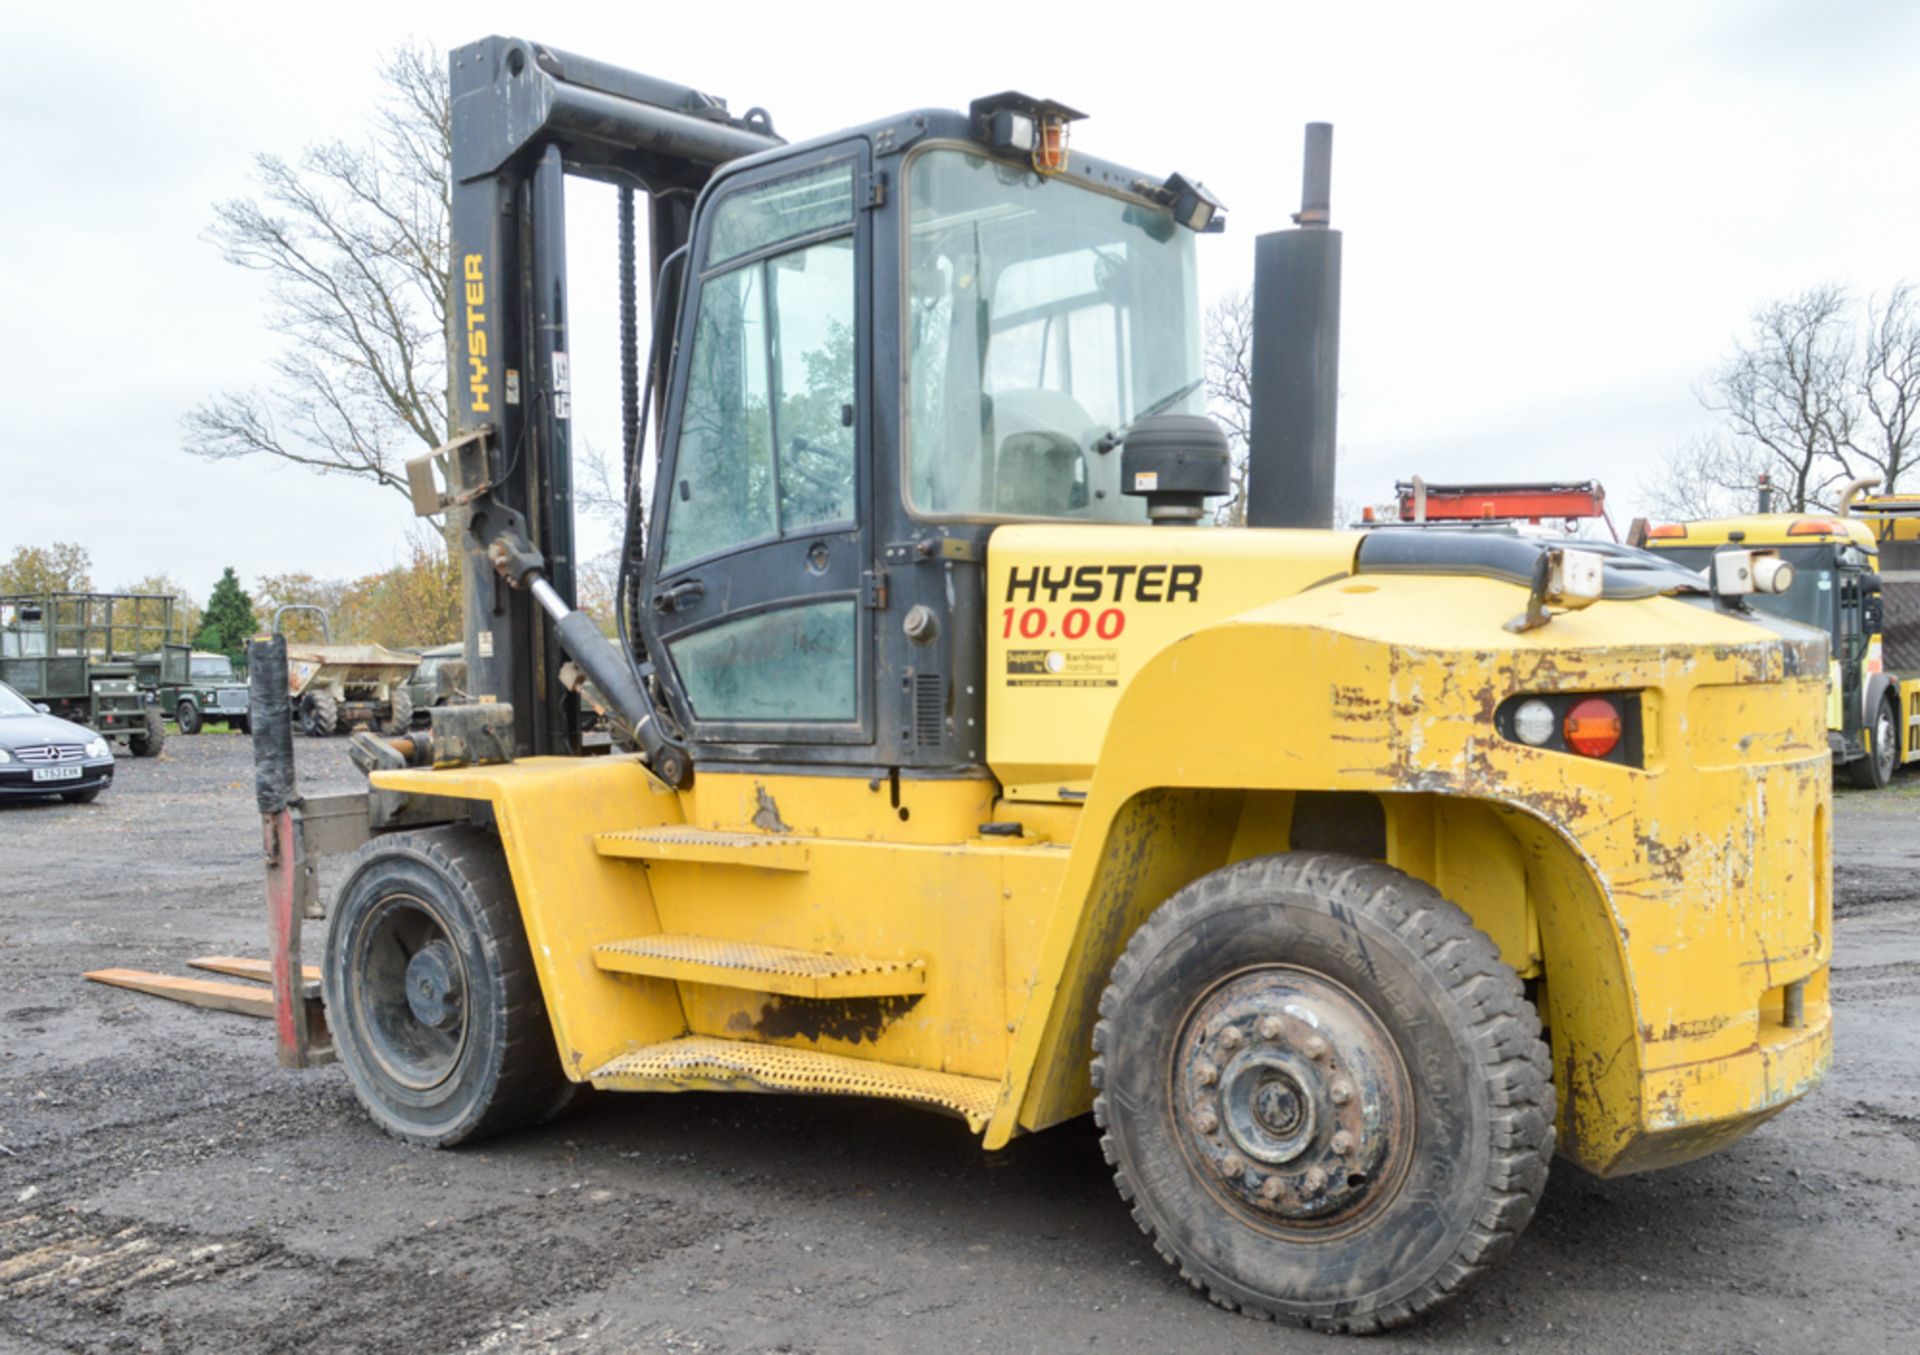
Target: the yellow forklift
pixel 1344 877
pixel 1839 586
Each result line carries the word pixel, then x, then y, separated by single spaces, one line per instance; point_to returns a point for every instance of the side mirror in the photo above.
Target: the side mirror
pixel 1873 614
pixel 43 707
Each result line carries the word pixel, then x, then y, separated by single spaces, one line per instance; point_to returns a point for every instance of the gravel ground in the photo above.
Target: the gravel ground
pixel 163 1186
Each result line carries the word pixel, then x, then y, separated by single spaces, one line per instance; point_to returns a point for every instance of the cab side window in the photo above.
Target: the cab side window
pixel 766 446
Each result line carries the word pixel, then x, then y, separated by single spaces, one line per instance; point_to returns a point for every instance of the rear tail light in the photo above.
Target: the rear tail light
pixel 1604 726
pixel 1593 727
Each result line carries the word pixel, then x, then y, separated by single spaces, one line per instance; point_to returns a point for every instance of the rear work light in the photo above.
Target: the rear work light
pixel 1593 727
pixel 1604 726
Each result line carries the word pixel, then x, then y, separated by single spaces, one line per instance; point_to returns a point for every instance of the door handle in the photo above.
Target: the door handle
pixel 682 594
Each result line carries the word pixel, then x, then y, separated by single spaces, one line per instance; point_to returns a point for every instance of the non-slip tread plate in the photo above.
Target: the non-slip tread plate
pixel 774 969
pixel 701 1062
pixel 681 842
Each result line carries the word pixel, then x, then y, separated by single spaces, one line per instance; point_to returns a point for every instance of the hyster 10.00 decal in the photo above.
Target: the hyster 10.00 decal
pixel 1089 586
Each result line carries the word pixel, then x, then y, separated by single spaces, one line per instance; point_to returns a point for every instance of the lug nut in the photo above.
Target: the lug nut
pixel 1270 1027
pixel 1205 1073
pixel 1232 1165
pixel 1206 1121
pixel 1316 1181
pixel 1342 1143
pixel 1316 1047
pixel 1341 1092
pixel 1232 1037
pixel 1272 1188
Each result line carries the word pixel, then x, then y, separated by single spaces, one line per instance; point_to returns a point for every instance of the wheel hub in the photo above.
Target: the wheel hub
pixel 433 986
pixel 408 990
pixel 1291 1095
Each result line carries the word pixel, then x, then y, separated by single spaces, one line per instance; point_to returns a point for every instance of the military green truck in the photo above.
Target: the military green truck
pixel 97 659
pixel 213 693
pixel 441 679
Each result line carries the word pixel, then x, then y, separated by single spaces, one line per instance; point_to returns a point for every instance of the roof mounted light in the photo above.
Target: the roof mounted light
pixel 1193 206
pixel 1018 124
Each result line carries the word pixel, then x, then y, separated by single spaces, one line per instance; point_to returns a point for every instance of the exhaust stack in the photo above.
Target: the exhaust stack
pixel 1296 356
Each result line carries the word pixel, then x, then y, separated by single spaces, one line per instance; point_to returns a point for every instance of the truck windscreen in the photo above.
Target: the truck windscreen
pixel 1811 598
pixel 1041 315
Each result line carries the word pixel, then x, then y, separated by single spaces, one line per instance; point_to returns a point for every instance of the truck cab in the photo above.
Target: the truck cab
pixel 1873 707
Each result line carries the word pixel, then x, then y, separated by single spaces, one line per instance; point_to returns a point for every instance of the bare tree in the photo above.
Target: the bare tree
pixel 1788 394
pixel 1228 356
pixel 1704 477
pixel 353 240
pixel 1889 384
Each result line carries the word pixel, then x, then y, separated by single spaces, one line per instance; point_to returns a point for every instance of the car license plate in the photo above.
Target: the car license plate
pixel 57 773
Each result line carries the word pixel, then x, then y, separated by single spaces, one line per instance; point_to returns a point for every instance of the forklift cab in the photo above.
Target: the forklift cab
pixel 866 376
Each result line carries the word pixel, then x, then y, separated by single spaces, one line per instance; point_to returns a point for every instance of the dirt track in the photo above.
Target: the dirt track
pixel 163 1186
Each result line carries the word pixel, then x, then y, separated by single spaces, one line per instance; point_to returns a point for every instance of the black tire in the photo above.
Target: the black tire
pixel 1875 770
pixel 431 992
pixel 241 724
pixel 1422 1053
pixel 400 715
pixel 149 743
pixel 320 714
pixel 187 716
pixel 82 797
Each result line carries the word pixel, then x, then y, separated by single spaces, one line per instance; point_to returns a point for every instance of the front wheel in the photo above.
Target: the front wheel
pixel 432 995
pixel 187 716
pixel 1875 770
pixel 153 737
pixel 1324 1093
pixel 320 714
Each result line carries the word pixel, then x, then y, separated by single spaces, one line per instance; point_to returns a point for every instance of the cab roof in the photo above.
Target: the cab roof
pixel 1764 529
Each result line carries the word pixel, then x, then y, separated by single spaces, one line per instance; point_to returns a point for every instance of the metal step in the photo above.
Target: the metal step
pixel 763 969
pixel 701 1063
pixel 705 845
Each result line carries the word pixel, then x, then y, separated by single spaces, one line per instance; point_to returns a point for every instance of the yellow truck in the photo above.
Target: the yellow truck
pixel 1344 877
pixel 1856 576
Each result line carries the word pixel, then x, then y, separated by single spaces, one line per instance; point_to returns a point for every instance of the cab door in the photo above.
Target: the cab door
pixel 761 545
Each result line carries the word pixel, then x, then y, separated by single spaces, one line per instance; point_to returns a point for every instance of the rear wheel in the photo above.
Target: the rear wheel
pixel 320 714
pixel 400 717
pixel 1875 770
pixel 187 716
pixel 1323 1092
pixel 432 995
pixel 153 735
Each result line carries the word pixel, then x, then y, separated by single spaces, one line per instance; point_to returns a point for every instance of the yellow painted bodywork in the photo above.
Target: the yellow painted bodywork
pixel 1660 911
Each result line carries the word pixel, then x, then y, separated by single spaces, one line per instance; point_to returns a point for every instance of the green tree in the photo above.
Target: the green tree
pixel 60 568
pixel 228 619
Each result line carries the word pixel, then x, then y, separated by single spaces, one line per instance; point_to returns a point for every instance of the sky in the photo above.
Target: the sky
pixel 1557 218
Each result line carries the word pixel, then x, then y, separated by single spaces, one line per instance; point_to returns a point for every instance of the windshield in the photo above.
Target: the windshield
pixel 1040 317
pixel 12 703
pixel 1808 600
pixel 215 670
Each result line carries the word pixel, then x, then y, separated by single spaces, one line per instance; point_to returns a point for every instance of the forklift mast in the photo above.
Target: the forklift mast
pixel 524 117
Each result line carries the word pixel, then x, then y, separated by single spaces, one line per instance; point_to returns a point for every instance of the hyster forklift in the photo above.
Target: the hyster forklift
pixel 1838 586
pixel 1344 877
